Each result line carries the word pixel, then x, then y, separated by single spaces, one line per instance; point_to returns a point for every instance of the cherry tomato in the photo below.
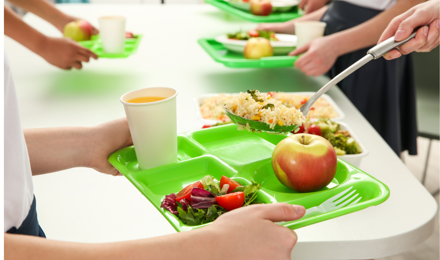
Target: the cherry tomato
pixel 231 201
pixel 314 130
pixel 185 193
pixel 232 184
pixel 301 130
pixel 129 35
pixel 206 126
pixel 253 33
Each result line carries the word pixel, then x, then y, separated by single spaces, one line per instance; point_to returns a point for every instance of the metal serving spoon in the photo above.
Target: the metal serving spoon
pixel 374 53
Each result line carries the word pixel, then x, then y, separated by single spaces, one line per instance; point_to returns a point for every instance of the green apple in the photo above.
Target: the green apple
pixel 304 162
pixel 78 30
pixel 257 48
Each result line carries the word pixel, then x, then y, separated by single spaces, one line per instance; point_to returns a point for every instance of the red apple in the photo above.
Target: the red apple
pixel 257 48
pixel 304 162
pixel 261 7
pixel 129 35
pixel 78 30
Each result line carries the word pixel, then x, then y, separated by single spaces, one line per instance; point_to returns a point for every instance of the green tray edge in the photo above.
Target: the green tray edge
pixel 385 194
pixel 268 62
pixel 272 18
pixel 91 45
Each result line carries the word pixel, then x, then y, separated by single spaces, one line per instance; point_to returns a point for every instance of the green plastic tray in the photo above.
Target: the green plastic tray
pixel 272 18
pixel 95 45
pixel 242 156
pixel 236 60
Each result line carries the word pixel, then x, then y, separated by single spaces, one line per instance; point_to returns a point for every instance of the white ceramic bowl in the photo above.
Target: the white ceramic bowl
pixel 199 101
pixel 285 44
pixel 353 159
pixel 277 5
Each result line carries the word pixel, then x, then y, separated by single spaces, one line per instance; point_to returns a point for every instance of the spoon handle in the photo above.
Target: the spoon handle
pixel 387 45
pixel 306 107
pixel 374 53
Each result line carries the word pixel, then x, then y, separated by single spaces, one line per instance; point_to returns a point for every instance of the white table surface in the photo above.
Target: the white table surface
pixel 85 206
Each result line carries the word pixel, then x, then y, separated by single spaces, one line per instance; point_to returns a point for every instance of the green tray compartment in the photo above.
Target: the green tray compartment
pixel 95 45
pixel 236 60
pixel 237 148
pixel 272 18
pixel 204 152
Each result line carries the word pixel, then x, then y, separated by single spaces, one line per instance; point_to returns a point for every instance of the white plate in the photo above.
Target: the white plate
pixel 353 159
pixel 277 5
pixel 285 44
pixel 199 101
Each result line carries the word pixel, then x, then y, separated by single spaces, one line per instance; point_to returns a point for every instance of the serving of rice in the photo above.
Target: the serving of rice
pixel 212 108
pixel 263 108
pixel 321 109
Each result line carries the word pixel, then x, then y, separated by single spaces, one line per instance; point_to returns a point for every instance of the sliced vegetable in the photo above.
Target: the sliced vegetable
pixel 185 204
pixel 206 126
pixel 202 199
pixel 314 130
pixel 253 33
pixel 210 185
pixel 232 184
pixel 169 203
pixel 185 193
pixel 231 201
pixel 250 192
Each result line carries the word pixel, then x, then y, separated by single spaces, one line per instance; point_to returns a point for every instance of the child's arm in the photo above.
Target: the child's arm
pixel 60 148
pixel 244 233
pixel 48 12
pixel 61 52
pixel 289 26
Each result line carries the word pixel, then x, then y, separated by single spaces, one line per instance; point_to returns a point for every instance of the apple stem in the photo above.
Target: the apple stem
pixel 303 139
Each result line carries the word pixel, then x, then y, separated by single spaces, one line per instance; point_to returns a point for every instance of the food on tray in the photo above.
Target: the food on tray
pixel 78 30
pixel 304 162
pixel 129 35
pixel 261 7
pixel 240 35
pixel 340 139
pixel 205 200
pixel 321 109
pixel 257 48
pixel 217 124
pixel 261 107
pixel 212 108
pixel 145 99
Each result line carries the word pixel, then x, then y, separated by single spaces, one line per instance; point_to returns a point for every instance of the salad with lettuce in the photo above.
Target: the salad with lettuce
pixel 241 35
pixel 205 200
pixel 341 140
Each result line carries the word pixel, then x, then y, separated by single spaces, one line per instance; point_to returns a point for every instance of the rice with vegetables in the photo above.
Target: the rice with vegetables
pixel 212 108
pixel 321 109
pixel 263 108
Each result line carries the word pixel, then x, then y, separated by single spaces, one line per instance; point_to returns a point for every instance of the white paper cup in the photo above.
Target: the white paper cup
pixel 308 31
pixel 112 33
pixel 153 126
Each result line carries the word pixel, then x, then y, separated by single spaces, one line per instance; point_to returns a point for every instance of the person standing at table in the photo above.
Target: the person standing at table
pixel 63 53
pixel 383 91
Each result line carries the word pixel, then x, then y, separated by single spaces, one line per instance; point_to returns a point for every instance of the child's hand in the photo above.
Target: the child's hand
pixel 320 55
pixel 67 19
pixel 65 53
pixel 106 139
pixel 309 6
pixel 250 232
